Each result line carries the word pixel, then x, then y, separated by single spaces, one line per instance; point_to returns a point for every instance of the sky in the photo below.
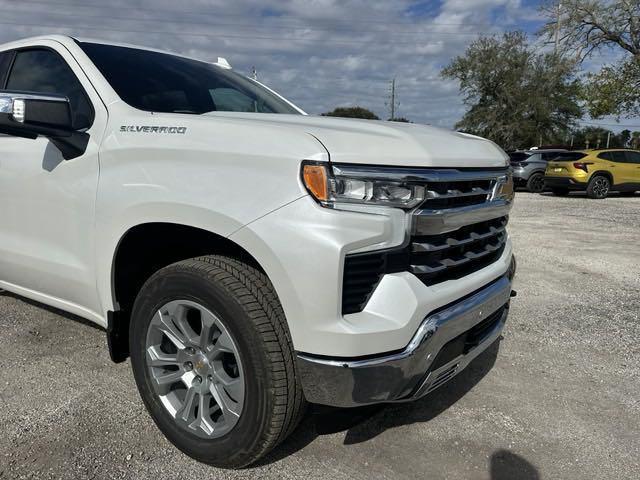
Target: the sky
pixel 320 54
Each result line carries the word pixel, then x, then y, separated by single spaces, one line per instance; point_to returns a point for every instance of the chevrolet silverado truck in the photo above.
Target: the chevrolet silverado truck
pixel 247 257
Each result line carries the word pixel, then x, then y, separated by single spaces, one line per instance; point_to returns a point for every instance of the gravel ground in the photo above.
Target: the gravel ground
pixel 558 398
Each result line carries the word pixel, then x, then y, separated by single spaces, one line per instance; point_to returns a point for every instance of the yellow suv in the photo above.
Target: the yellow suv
pixel 594 171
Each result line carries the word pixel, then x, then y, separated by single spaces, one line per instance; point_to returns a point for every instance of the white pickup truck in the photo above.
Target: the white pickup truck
pixel 249 258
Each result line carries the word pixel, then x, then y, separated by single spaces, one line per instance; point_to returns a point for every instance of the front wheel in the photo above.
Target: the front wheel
pixel 535 183
pixel 213 360
pixel 598 187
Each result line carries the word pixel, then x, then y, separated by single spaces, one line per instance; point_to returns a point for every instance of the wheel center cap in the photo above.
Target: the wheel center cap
pixel 201 364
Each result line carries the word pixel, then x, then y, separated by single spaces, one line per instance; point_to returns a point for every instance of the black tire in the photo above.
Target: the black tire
pixel 560 192
pixel 598 187
pixel 535 184
pixel 244 299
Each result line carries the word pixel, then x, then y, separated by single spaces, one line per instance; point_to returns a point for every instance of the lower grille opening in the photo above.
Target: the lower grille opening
pixel 361 275
pixel 443 377
pixel 467 341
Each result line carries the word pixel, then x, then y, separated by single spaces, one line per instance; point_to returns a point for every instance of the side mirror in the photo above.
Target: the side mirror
pixel 29 115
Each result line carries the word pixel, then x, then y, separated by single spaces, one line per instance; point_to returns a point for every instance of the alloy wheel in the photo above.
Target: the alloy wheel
pixel 601 187
pixel 537 184
pixel 195 368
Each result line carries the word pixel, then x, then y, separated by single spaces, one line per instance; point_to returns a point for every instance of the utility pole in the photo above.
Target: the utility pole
pixel 557 40
pixel 608 138
pixel 392 102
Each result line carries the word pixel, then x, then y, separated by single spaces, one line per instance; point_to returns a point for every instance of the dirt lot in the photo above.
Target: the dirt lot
pixel 560 399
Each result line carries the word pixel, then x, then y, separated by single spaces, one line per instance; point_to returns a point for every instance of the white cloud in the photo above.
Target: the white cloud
pixel 319 53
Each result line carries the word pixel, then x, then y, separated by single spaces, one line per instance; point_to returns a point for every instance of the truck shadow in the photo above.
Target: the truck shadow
pixel 365 423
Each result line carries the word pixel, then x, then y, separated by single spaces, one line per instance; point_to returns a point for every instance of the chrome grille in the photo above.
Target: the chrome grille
pixel 458 229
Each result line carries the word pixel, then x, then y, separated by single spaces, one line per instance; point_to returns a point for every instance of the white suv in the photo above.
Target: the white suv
pixel 247 257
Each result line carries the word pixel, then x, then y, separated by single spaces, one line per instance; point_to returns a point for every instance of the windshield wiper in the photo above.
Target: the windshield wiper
pixel 186 111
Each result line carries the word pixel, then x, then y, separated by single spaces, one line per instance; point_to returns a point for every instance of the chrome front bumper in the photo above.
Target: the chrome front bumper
pixel 445 343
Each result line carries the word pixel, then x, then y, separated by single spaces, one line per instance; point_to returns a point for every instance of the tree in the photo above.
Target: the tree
pixel 352 112
pixel 596 137
pixel 625 137
pixel 400 119
pixel 515 96
pixel 614 90
pixel 583 27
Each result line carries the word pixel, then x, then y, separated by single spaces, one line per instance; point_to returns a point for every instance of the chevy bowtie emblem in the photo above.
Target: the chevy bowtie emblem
pixel 497 187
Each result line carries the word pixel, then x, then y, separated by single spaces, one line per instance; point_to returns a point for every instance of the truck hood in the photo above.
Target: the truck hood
pixel 386 143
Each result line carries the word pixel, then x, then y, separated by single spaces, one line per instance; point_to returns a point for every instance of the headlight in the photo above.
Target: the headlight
pixel 331 185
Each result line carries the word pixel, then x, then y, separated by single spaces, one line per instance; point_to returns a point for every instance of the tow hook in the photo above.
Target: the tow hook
pixel 513 293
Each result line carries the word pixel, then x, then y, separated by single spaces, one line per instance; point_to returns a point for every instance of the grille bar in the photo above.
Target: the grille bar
pixel 454 242
pixel 475 191
pixel 468 256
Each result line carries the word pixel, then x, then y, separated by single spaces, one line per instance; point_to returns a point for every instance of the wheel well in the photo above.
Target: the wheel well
pixel 145 249
pixel 603 173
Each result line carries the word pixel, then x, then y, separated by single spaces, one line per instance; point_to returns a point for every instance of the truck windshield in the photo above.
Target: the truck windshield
pixel 161 82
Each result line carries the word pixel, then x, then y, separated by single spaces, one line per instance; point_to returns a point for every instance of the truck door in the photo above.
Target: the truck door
pixel 47 203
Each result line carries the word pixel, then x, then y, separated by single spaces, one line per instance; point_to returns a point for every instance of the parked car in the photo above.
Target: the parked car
pixel 529 167
pixel 595 171
pixel 249 258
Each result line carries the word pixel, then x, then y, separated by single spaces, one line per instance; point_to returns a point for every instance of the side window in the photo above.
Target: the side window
pixel 5 63
pixel 231 100
pixel 606 156
pixel 633 157
pixel 549 156
pixel 618 157
pixel 44 71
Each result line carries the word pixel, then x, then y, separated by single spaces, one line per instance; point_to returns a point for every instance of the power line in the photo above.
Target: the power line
pixel 205 35
pixel 218 15
pixel 250 26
